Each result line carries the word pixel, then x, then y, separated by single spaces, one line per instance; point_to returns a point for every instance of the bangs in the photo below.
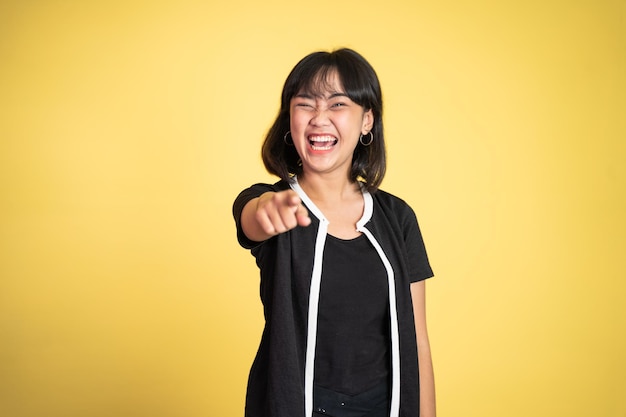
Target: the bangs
pixel 326 80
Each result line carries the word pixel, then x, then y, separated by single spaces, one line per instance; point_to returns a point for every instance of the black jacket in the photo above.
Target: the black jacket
pixel 281 378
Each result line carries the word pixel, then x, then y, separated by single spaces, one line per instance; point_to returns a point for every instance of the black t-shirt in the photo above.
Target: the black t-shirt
pixel 352 351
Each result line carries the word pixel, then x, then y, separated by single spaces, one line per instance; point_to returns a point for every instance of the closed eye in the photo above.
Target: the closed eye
pixel 304 105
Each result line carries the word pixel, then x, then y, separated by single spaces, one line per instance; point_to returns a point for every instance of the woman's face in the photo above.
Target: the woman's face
pixel 325 128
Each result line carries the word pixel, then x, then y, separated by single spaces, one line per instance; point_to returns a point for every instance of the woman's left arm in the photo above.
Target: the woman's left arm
pixel 426 373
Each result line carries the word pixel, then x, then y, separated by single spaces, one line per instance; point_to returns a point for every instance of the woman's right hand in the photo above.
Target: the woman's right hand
pixel 273 213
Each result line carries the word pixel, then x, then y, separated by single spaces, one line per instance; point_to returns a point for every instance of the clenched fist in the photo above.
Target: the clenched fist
pixel 273 213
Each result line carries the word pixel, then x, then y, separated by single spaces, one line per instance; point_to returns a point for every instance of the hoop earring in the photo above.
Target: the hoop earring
pixel 286 140
pixel 369 142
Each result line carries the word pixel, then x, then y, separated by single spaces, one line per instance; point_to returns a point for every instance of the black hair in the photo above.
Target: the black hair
pixel 360 84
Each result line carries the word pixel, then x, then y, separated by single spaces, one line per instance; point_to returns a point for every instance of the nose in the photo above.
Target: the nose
pixel 320 118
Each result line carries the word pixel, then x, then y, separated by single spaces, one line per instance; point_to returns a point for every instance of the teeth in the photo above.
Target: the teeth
pixel 322 143
pixel 321 148
pixel 322 138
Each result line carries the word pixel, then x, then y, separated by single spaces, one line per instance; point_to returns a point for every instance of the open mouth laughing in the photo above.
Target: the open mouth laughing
pixel 322 143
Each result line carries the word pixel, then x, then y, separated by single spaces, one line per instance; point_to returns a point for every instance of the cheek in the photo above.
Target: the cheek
pixel 297 122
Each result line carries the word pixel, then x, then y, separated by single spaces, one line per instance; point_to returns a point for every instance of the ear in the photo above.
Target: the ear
pixel 368 122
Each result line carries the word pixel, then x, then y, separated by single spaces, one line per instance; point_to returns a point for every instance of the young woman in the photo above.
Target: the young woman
pixel 342 263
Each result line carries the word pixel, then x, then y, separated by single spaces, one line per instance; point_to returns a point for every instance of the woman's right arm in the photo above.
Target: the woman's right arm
pixel 273 213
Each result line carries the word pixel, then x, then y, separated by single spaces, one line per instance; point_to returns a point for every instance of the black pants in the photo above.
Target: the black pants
pixel 371 403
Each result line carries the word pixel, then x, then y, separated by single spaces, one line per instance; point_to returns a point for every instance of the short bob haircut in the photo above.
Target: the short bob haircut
pixel 360 84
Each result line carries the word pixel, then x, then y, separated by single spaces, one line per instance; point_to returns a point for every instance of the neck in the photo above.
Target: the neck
pixel 328 189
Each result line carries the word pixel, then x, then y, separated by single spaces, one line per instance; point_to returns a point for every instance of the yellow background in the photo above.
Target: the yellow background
pixel 128 127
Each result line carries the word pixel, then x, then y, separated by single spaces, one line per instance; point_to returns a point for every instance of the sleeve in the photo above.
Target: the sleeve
pixel 417 258
pixel 240 202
